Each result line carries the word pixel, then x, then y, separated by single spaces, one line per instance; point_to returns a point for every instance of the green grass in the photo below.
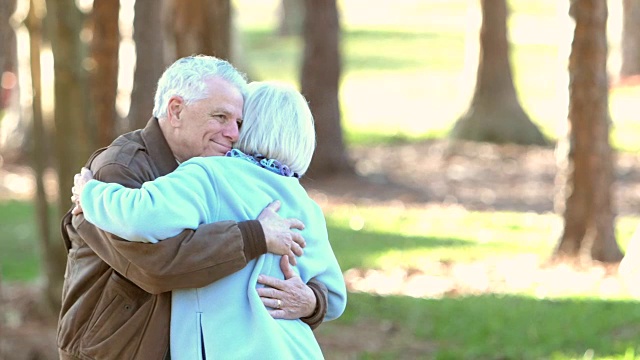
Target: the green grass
pixel 495 327
pixel 19 246
pixel 387 237
pixel 518 326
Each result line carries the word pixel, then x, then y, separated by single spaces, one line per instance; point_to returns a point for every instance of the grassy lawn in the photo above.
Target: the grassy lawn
pixel 19 247
pixel 492 327
pixel 489 326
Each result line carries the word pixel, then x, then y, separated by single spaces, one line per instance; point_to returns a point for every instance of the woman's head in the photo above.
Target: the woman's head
pixel 278 124
pixel 187 78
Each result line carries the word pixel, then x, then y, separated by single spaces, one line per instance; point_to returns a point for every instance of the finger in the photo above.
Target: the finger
pixel 275 205
pixel 286 268
pixel 85 170
pixel 76 210
pixel 298 239
pixel 295 249
pixel 291 258
pixel 278 314
pixel 296 224
pixel 267 294
pixel 271 282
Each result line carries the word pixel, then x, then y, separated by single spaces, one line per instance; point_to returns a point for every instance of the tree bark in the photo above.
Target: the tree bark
pixel 630 39
pixel 39 157
pixel 104 52
pixel 8 52
pixel 290 17
pixel 587 172
pixel 147 34
pixel 320 81
pixel 495 114
pixel 200 27
pixel 73 138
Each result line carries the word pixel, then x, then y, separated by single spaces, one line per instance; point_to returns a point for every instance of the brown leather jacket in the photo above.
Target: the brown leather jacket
pixel 116 300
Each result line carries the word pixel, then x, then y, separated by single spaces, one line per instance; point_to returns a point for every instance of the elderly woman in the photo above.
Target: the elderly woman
pixel 227 318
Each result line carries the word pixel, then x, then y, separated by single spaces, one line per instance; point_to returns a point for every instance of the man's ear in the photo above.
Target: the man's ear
pixel 174 110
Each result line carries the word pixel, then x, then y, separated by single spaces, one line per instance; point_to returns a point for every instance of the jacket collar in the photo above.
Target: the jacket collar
pixel 158 148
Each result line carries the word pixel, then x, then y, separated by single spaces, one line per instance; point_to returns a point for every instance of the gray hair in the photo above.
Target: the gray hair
pixel 278 124
pixel 186 78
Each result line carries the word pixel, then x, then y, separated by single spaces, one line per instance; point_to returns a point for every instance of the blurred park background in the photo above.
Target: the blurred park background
pixel 477 160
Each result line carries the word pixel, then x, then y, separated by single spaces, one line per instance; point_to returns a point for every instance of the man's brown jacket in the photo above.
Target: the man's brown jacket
pixel 116 300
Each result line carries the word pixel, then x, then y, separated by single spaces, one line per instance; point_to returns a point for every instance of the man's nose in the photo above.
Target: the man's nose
pixel 232 131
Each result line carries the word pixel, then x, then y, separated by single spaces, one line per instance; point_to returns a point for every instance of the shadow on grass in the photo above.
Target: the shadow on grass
pixel 353 248
pixel 483 327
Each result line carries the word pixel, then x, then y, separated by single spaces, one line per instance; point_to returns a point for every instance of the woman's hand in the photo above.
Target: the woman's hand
pixel 289 298
pixel 79 181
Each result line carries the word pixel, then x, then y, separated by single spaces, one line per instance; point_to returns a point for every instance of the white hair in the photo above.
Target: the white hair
pixel 186 78
pixel 278 124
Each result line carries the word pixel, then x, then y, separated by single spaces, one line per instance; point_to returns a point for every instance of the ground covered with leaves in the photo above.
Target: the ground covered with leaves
pixel 434 173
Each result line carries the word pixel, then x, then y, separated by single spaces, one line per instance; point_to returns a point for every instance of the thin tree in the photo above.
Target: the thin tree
pixel 630 40
pixel 587 172
pixel 105 44
pixel 199 27
pixel 7 50
pixel 495 114
pixel 147 35
pixel 73 138
pixel 290 17
pixel 320 82
pixel 49 243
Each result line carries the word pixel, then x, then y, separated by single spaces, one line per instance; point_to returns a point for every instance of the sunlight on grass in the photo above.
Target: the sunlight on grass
pixel 429 251
pixel 403 237
pixel 443 234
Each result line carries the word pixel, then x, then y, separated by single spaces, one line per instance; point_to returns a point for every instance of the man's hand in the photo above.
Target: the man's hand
pixel 79 181
pixel 290 298
pixel 280 237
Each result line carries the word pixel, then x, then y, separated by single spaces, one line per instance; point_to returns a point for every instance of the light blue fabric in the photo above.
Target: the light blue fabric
pixel 234 322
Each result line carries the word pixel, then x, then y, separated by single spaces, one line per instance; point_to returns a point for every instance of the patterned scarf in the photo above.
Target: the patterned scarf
pixel 272 165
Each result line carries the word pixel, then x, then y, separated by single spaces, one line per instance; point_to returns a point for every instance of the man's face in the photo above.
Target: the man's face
pixel 210 126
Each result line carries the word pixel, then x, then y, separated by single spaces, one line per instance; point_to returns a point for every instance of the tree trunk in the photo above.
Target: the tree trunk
pixel 290 17
pixel 73 143
pixel 200 27
pixel 495 114
pixel 104 52
pixel 630 39
pixel 7 53
pixel 320 81
pixel 48 242
pixel 587 173
pixel 147 34
pixel 13 130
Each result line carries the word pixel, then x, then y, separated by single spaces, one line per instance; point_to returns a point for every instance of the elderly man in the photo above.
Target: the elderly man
pixel 116 299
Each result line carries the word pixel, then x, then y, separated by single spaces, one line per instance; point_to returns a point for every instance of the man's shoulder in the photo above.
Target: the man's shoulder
pixel 122 151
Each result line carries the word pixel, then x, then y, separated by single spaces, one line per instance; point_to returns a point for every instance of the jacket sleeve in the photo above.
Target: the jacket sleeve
pixel 193 258
pixel 321 292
